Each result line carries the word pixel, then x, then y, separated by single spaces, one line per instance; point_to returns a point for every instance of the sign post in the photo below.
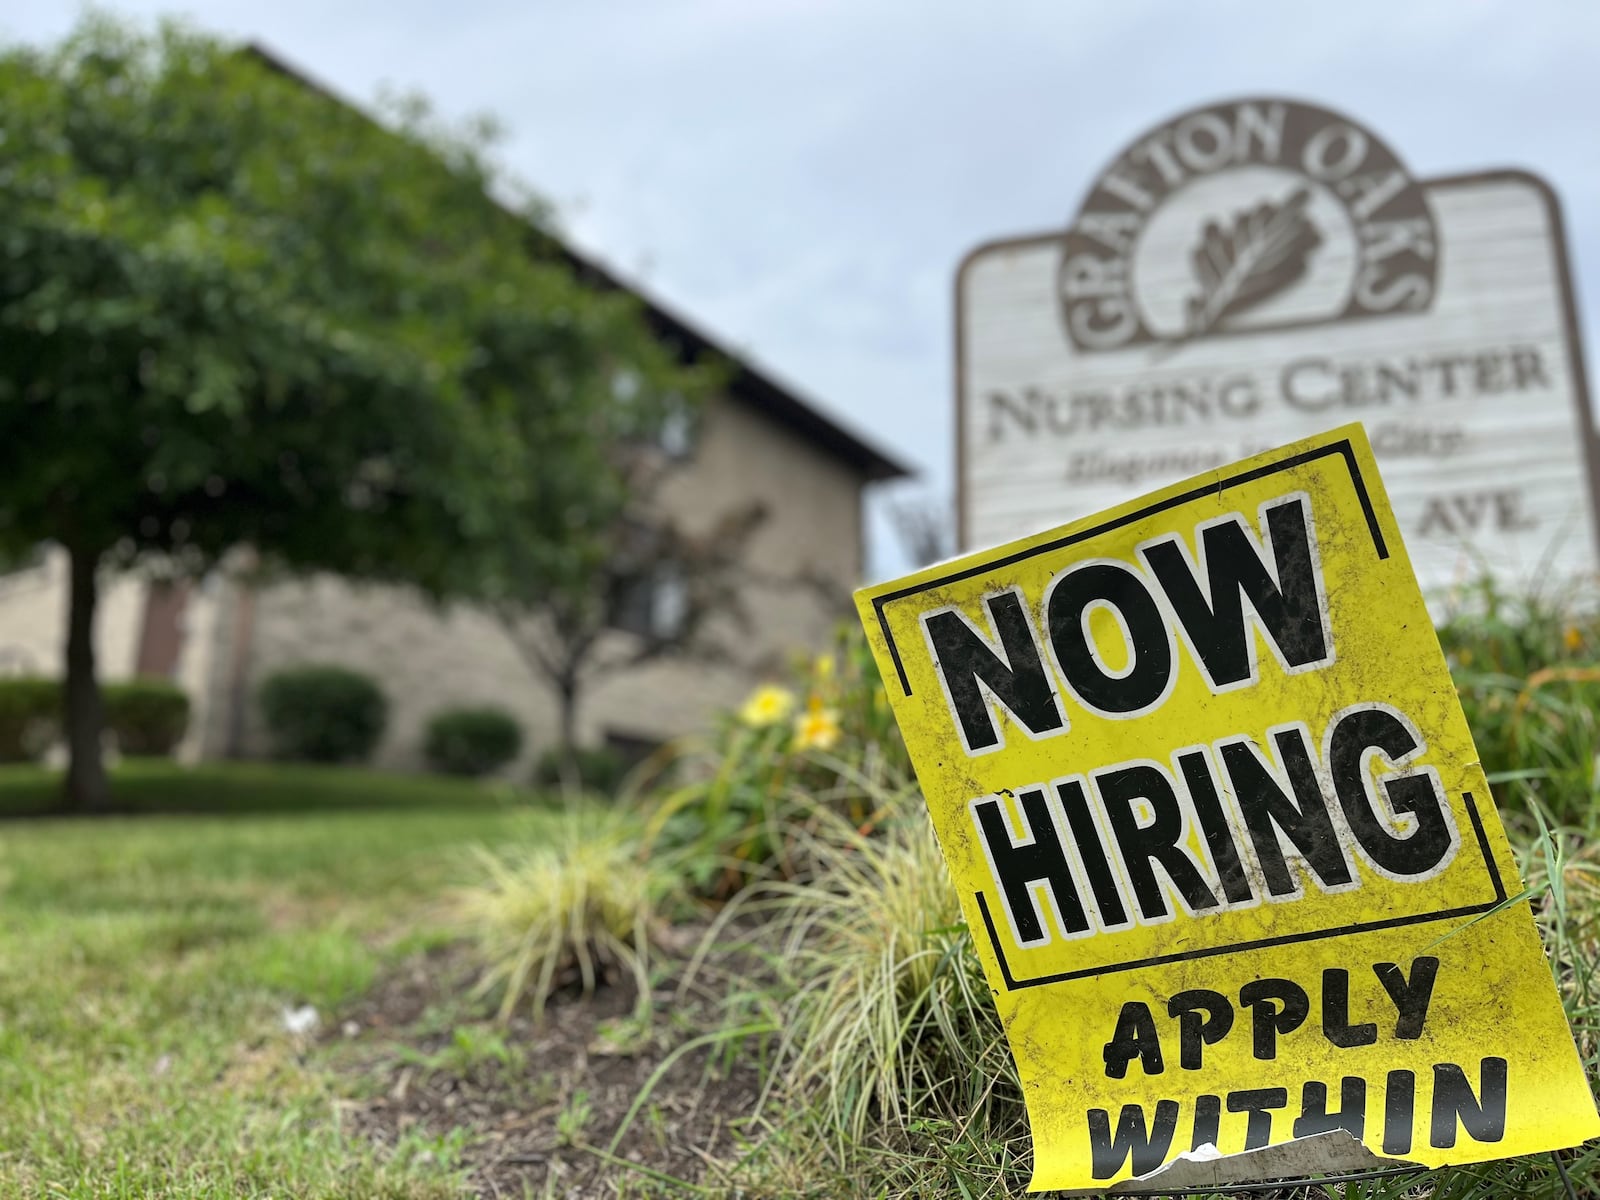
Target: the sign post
pixel 1221 836
pixel 1251 272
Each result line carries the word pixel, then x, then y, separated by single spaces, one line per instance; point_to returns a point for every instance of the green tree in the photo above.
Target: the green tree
pixel 234 311
pixel 648 587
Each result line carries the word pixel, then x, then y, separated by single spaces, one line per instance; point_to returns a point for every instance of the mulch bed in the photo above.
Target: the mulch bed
pixel 538 1125
pixel 534 1123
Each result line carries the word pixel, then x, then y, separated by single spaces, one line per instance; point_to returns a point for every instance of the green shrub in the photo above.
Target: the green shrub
pixel 148 716
pixel 600 769
pixel 30 716
pixel 471 741
pixel 323 714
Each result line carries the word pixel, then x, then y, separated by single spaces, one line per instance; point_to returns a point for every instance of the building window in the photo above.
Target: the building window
pixel 653 606
pixel 676 436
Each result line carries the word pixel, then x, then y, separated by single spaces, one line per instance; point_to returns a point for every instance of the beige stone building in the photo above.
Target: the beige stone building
pixel 220 636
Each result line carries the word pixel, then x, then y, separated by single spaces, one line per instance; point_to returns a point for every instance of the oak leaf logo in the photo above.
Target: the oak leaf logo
pixel 1267 249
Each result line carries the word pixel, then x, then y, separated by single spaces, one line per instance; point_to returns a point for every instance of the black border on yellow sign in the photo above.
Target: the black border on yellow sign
pixel 1342 448
pixel 1014 984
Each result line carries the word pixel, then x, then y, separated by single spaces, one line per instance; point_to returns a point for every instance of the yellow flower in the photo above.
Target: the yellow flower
pixel 823 668
pixel 767 705
pixel 1572 638
pixel 817 728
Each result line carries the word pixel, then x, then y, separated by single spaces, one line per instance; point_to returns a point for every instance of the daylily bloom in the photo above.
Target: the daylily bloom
pixel 767 705
pixel 817 728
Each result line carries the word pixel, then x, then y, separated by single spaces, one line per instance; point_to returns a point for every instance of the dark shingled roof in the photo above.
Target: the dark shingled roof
pixel 749 383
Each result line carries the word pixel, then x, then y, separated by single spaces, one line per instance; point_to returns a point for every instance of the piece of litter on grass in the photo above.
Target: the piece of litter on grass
pixel 301 1021
pixel 351 1029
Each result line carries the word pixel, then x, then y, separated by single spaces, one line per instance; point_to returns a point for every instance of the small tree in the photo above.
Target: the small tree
pixel 645 587
pixel 234 311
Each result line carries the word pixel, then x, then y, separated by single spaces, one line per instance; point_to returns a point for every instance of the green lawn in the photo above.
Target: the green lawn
pixel 160 786
pixel 145 962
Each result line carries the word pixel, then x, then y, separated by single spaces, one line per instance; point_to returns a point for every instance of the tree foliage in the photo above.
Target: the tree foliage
pixel 236 311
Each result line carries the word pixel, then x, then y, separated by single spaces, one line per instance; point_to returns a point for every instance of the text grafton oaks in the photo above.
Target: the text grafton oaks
pixel 1114 845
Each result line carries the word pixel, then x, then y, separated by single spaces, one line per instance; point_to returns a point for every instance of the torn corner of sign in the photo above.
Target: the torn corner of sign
pixel 1204 785
pixel 1334 1152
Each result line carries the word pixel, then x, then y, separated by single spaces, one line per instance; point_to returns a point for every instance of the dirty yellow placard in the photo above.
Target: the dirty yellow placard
pixel 1205 787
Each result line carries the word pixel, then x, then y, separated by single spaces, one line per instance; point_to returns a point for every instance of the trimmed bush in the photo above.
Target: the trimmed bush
pixel 149 716
pixel 600 768
pixel 471 741
pixel 30 717
pixel 323 714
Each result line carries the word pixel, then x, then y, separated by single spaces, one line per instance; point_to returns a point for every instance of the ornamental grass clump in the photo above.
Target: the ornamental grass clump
pixel 1527 668
pixel 890 1074
pixel 890 1017
pixel 809 804
pixel 581 897
pixel 894 1078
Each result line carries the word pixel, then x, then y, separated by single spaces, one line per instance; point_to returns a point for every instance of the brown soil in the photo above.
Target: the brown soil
pixel 538 1104
pixel 533 1113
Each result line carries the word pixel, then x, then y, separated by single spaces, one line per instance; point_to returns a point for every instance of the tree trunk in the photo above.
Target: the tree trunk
pixel 571 777
pixel 84 712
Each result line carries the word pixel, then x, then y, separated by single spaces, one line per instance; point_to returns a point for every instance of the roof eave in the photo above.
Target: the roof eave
pixel 749 383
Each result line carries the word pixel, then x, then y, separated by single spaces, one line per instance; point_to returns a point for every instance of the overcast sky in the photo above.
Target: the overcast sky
pixel 800 177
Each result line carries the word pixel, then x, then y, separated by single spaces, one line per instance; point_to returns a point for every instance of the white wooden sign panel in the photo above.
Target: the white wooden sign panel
pixel 1265 301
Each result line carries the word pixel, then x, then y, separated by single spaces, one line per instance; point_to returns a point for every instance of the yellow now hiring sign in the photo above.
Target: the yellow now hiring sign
pixel 1205 787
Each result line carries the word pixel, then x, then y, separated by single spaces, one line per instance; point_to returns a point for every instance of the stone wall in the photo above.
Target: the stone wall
pixel 33 630
pixel 428 658
pixel 33 619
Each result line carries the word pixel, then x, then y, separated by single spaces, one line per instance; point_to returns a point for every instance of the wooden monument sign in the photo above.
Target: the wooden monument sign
pixel 1253 272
